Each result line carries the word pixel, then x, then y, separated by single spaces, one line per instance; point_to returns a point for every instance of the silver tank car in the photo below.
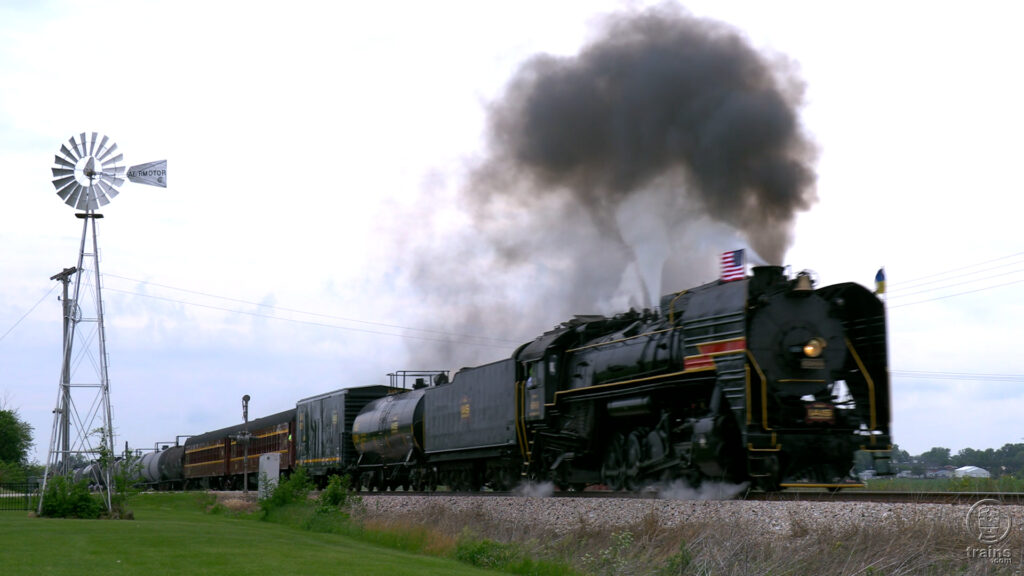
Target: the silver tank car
pixel 163 469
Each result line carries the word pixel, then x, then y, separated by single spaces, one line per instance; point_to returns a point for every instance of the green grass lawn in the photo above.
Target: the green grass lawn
pixel 172 534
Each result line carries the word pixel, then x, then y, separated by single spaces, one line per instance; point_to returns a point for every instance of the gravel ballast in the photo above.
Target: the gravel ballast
pixel 778 518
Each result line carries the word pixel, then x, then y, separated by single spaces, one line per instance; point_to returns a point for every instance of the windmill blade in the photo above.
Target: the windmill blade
pixel 108 189
pixel 68 154
pixel 63 186
pixel 64 162
pixel 100 188
pixel 83 199
pixel 72 194
pixel 103 145
pixel 84 149
pixel 74 146
pixel 117 158
pixel 62 172
pixel 92 143
pixel 108 181
pixel 102 157
pixel 94 199
pixel 118 181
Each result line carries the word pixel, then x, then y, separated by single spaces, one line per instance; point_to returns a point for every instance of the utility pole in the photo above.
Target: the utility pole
pixel 64 405
pixel 245 444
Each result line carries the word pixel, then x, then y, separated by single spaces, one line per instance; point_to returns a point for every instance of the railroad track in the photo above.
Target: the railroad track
pixel 846 495
pixel 855 495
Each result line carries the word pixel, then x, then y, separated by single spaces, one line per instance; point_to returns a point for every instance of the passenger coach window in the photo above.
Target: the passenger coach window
pixel 552 365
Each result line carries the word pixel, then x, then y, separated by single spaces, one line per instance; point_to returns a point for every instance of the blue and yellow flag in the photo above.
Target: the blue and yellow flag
pixel 880 281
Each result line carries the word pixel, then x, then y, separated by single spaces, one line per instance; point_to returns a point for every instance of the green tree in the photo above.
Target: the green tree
pixel 15 437
pixel 936 457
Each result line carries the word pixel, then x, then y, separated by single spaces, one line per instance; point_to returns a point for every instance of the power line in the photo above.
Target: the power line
pixel 957 294
pixel 961 283
pixel 441 336
pixel 30 310
pixel 956 277
pixel 974 376
pixel 907 284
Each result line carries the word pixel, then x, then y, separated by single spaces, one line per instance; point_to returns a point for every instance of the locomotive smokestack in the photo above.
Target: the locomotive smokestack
pixel 764 278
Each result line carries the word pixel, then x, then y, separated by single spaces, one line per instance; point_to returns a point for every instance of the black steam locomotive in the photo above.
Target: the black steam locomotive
pixel 765 379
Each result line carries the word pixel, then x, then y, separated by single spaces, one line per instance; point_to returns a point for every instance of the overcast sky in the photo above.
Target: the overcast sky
pixel 307 145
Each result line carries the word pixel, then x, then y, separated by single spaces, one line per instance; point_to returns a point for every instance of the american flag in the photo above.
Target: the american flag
pixel 732 266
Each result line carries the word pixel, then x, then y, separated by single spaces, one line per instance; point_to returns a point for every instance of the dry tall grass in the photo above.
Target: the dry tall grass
pixel 736 547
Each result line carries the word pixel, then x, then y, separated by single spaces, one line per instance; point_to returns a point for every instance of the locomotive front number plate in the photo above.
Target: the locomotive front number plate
pixel 820 412
pixel 812 363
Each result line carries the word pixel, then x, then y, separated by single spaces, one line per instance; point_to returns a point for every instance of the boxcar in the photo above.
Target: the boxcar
pixel 323 445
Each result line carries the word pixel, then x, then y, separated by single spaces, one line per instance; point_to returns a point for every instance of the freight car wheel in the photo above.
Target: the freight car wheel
pixel 503 479
pixel 611 468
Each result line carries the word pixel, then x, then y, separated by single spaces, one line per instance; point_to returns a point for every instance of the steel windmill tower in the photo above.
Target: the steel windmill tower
pixel 87 172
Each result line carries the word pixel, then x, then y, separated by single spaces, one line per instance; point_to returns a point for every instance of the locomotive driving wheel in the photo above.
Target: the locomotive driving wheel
pixel 633 455
pixel 612 469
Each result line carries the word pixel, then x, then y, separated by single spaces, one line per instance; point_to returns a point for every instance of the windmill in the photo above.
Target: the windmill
pixel 87 172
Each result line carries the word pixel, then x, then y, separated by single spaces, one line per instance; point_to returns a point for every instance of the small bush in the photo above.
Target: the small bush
pixel 292 490
pixel 337 495
pixel 679 563
pixel 614 559
pixel 67 499
pixel 484 553
pixel 506 557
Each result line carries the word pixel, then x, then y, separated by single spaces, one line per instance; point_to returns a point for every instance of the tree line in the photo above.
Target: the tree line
pixel 1005 461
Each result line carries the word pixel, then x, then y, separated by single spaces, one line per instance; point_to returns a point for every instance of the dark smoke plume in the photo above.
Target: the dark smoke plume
pixel 666 140
pixel 660 93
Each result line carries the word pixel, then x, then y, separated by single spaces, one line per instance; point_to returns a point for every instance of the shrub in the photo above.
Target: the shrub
pixel 67 499
pixel 484 553
pixel 291 490
pixel 336 495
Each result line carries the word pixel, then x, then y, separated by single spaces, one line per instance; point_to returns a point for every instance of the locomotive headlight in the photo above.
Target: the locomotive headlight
pixel 814 347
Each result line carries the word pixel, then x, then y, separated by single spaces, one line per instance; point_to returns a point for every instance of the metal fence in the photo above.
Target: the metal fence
pixel 18 495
